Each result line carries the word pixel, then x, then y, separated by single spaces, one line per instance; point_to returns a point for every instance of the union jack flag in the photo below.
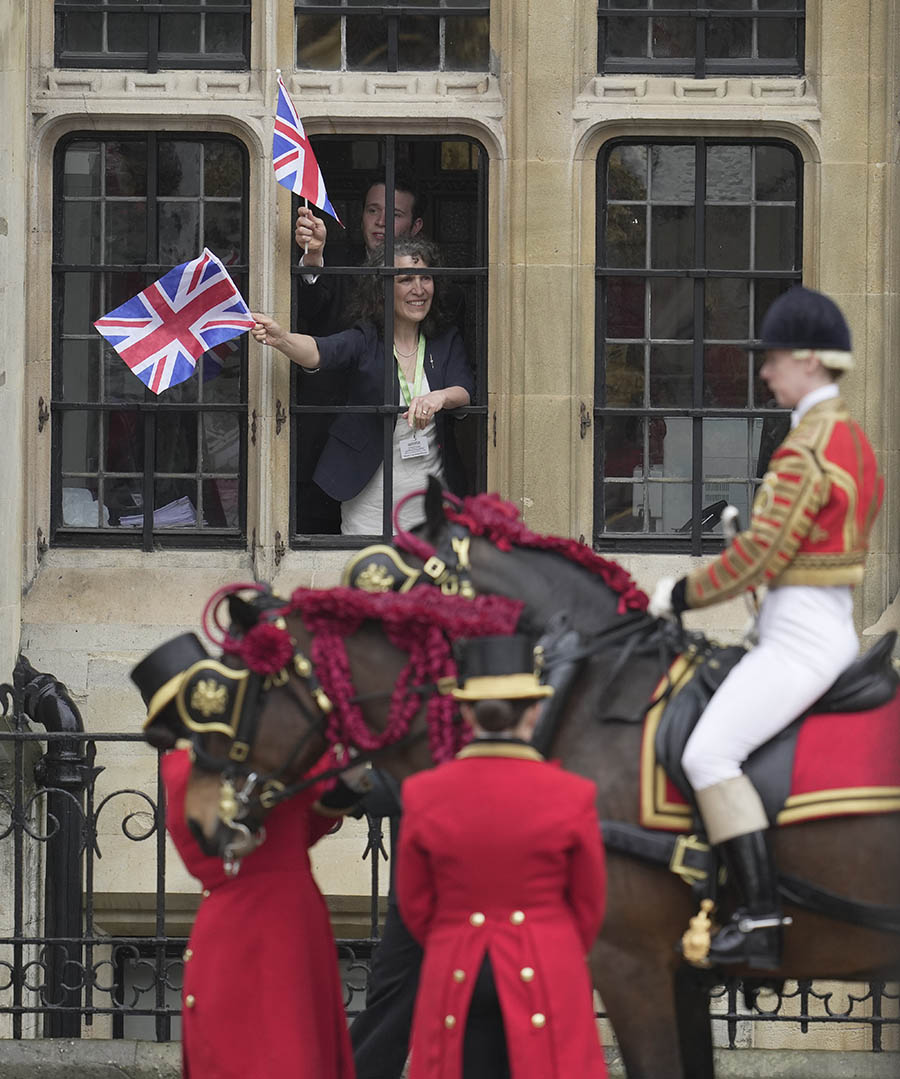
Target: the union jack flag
pixel 164 330
pixel 215 360
pixel 295 163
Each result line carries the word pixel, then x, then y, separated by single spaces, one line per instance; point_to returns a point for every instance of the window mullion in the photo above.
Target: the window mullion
pixel 697 394
pixel 153 44
pixel 393 42
pixel 389 420
pixel 701 26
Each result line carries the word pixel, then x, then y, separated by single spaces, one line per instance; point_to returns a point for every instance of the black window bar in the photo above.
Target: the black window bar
pixel 695 238
pixel 659 37
pixel 452 171
pixel 152 35
pixel 120 207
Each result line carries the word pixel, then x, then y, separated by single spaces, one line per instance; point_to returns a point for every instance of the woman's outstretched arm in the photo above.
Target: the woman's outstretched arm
pixel 299 348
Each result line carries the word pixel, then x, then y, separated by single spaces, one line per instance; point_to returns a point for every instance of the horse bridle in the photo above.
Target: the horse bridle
pixel 215 698
pixel 446 565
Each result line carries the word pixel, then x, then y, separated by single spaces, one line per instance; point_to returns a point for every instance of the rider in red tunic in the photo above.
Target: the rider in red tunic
pixel 262 994
pixel 500 875
pixel 807 541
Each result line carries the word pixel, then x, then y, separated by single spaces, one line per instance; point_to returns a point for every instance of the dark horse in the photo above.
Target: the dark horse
pixel 659 1013
pixel 658 1007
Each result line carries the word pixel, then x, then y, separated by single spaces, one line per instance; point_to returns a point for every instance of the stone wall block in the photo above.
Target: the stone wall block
pixel 547 316
pixel 844 35
pixel 844 227
pixel 845 112
pixel 547 421
pixel 548 211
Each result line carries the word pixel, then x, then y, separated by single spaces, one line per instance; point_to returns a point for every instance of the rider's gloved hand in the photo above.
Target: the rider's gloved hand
pixel 359 777
pixel 345 797
pixel 667 600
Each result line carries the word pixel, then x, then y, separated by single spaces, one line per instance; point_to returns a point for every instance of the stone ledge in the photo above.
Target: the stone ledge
pixel 90 1059
pixel 659 88
pixel 99 85
pixel 47 1059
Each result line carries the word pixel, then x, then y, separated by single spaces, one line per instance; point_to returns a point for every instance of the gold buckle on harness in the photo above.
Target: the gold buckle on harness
pixel 239 751
pixel 684 843
pixel 435 568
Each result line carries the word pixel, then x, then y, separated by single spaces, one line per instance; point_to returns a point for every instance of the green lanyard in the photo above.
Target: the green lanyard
pixel 420 370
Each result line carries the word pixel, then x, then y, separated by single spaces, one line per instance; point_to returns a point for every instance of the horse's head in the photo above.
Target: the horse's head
pixel 254 720
pixel 480 545
pixel 329 667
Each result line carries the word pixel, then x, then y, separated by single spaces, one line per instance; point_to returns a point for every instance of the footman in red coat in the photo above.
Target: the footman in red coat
pixel 262 992
pixel 500 875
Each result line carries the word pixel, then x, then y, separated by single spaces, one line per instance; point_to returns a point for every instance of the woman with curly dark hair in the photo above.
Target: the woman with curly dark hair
pixel 432 375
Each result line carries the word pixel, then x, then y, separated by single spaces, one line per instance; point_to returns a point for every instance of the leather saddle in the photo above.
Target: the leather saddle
pixel 869 682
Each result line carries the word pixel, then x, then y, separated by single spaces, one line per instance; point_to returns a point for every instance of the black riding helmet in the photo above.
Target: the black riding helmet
pixel 802 318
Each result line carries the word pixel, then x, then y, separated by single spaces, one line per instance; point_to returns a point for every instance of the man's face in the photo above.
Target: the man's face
pixel 373 228
pixel 789 377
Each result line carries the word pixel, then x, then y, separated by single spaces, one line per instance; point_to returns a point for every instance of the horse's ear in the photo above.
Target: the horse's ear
pixel 243 614
pixel 434 507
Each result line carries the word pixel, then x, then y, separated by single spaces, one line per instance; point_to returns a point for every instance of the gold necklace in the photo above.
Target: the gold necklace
pixel 400 351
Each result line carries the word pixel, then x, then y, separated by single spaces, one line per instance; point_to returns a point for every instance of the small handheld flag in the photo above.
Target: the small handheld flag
pixel 295 163
pixel 214 361
pixel 164 330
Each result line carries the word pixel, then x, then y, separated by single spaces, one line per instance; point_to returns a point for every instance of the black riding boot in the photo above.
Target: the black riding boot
pixel 753 935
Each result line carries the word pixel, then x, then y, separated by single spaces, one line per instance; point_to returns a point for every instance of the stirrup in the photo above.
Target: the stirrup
pixel 746 923
pixel 749 940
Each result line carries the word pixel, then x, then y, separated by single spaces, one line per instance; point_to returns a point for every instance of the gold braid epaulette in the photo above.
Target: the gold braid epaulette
pixel 784 509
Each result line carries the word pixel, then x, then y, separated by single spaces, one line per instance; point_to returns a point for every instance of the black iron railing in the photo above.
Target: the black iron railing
pixel 67 958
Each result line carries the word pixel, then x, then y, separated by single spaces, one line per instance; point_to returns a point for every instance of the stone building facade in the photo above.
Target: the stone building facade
pixel 628 208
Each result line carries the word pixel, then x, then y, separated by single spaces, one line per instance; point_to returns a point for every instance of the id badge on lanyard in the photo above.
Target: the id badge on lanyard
pixel 417 444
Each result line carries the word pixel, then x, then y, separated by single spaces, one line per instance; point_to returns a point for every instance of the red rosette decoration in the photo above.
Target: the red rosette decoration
pixel 264 649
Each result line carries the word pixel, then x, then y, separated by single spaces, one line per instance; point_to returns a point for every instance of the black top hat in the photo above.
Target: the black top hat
pixel 497 668
pixel 159 674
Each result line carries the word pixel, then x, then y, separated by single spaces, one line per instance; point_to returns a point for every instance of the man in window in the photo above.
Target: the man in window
pixel 326 302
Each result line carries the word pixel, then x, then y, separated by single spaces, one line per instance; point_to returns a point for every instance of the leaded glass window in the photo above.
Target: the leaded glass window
pixel 131 468
pixel 722 37
pixel 695 239
pixel 212 34
pixel 407 35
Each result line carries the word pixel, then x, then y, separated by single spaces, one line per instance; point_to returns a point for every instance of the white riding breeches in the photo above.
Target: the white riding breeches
pixel 806 639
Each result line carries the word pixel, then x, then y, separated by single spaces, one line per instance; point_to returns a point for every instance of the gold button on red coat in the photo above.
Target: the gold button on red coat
pixel 517 917
pixel 190 1000
pixel 477 919
pixel 459 975
pixel 449 1021
pixel 188 952
pixel 539 1020
pixel 527 974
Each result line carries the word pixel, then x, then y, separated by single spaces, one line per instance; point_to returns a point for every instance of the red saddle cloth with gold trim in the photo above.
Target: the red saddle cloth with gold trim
pixel 843 764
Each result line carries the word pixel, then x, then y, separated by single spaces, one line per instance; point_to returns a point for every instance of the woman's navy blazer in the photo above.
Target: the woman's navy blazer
pixel 355 446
